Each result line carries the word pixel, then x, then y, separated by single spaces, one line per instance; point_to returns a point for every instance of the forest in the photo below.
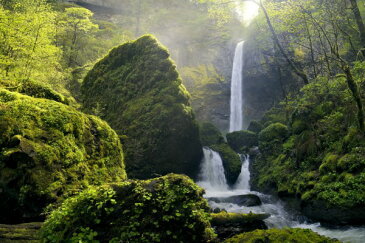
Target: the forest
pixel 182 121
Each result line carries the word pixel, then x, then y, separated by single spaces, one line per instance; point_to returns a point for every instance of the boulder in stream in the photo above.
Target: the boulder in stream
pixel 247 200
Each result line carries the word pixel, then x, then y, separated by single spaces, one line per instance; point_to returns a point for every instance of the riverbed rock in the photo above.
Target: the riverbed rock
pixel 228 224
pixel 281 235
pixel 248 200
pixel 138 91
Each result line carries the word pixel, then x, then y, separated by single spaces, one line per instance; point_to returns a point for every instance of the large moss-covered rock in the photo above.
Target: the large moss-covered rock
pixel 137 89
pixel 241 141
pixel 280 235
pixel 164 209
pixel 49 150
pixel 209 134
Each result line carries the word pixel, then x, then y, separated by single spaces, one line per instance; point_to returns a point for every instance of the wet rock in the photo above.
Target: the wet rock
pixel 248 200
pixel 229 224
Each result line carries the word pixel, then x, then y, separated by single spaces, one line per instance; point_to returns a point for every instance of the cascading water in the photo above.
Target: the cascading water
pixel 212 172
pixel 236 116
pixel 213 180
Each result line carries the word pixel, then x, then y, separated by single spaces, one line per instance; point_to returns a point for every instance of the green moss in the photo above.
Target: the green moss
pixel 48 151
pixel 279 236
pixel 165 209
pixel 209 134
pixel 20 233
pixel 137 89
pixel 329 164
pixel 240 141
pixel 33 89
pixel 276 131
pixel 231 161
pixel 255 127
pixel 224 218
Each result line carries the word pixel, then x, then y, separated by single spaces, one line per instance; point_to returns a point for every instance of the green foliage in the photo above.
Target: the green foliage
pixel 321 157
pixel 279 236
pixel 224 218
pixel 20 233
pixel 137 89
pixel 50 151
pixel 165 209
pixel 240 141
pixel 255 127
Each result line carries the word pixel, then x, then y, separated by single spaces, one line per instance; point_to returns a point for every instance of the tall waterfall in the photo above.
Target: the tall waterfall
pixel 235 121
pixel 212 172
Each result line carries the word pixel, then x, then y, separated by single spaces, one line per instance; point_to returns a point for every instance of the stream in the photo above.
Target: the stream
pixel 212 179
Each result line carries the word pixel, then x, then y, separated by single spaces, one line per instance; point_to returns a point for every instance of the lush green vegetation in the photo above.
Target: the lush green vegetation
pixel 50 151
pixel 137 89
pixel 319 156
pixel 165 209
pixel 280 235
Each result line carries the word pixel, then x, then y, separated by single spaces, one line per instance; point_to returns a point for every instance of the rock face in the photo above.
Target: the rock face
pixel 49 150
pixel 248 200
pixel 164 209
pixel 137 89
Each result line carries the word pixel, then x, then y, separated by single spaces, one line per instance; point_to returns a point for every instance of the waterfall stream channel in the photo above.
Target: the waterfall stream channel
pixel 212 178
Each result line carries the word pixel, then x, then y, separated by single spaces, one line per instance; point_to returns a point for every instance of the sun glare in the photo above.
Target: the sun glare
pixel 247 11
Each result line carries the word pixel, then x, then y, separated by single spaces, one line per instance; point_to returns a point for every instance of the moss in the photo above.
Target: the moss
pixel 137 89
pixel 33 89
pixel 165 209
pixel 329 164
pixel 28 232
pixel 276 131
pixel 240 141
pixel 231 162
pixel 209 134
pixel 255 127
pixel 224 218
pixel 49 151
pixel 279 236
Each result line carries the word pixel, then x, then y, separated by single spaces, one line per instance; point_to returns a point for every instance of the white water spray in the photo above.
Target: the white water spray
pixel 236 116
pixel 243 181
pixel 212 172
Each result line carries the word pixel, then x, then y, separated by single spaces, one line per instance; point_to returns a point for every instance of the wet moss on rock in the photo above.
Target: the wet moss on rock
pixel 48 151
pixel 281 235
pixel 137 89
pixel 242 141
pixel 165 209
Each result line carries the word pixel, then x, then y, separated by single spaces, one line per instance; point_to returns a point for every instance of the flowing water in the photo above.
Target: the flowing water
pixel 236 116
pixel 213 180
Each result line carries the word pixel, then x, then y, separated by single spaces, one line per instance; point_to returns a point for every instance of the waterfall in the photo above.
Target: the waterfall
pixel 212 172
pixel 236 116
pixel 243 181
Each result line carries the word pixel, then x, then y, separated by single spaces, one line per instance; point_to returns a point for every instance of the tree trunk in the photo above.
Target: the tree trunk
pixel 351 83
pixel 296 70
pixel 360 24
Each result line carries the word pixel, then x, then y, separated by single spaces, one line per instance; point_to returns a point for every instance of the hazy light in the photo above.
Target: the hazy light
pixel 247 11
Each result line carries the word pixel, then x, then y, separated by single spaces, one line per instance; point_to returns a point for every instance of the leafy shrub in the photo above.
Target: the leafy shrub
pixel 165 209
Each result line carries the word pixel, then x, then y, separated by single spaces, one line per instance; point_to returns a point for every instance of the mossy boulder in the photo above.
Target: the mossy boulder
pixel 231 161
pixel 165 209
pixel 276 131
pixel 34 89
pixel 228 224
pixel 49 150
pixel 255 127
pixel 281 235
pixel 137 89
pixel 209 134
pixel 241 141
